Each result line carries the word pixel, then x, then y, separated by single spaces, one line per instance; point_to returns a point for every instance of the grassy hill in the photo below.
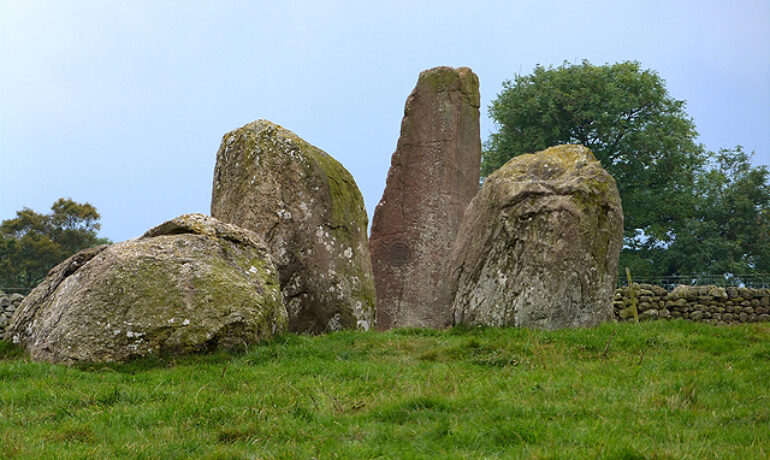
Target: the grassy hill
pixel 675 390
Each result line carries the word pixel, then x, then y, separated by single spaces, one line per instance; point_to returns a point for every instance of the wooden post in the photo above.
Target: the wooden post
pixel 633 295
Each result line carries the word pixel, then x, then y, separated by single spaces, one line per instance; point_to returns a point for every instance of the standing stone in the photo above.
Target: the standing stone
pixel 434 174
pixel 190 285
pixel 539 244
pixel 311 214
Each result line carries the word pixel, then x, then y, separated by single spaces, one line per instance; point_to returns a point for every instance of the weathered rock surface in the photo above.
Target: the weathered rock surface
pixel 8 305
pixel 434 174
pixel 189 285
pixel 539 244
pixel 312 216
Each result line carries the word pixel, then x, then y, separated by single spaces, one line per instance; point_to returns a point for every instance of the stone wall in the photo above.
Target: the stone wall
pixel 8 304
pixel 709 304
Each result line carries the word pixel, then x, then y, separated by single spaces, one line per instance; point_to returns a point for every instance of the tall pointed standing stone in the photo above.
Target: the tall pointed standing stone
pixel 434 174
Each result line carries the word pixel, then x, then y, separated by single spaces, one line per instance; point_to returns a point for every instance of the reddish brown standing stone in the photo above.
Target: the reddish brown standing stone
pixel 434 174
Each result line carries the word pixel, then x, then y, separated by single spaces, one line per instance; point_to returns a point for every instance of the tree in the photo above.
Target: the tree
pixel 638 132
pixel 729 233
pixel 31 244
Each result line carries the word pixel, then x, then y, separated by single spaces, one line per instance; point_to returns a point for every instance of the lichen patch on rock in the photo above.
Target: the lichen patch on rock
pixel 311 213
pixel 189 285
pixel 539 244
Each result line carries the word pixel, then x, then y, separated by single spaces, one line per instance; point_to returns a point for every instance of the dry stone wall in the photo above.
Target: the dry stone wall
pixel 708 304
pixel 8 304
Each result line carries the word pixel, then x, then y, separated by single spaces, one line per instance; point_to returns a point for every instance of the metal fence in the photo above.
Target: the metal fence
pixel 753 281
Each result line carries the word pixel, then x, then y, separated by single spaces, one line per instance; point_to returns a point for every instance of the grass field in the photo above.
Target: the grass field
pixel 658 390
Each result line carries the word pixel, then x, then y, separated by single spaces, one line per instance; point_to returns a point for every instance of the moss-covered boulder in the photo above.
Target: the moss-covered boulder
pixel 312 216
pixel 539 244
pixel 192 284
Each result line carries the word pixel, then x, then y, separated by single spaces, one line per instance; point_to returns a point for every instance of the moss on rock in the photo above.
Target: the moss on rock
pixel 312 215
pixel 539 244
pixel 189 285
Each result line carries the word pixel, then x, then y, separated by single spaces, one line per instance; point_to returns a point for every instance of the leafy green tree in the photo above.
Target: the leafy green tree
pixel 639 133
pixel 730 230
pixel 31 244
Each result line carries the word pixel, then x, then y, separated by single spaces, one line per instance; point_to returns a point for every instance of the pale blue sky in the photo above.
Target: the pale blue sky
pixel 123 103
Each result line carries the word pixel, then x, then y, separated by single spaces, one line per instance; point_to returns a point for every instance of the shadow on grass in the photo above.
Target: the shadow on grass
pixel 9 351
pixel 163 361
pixel 213 357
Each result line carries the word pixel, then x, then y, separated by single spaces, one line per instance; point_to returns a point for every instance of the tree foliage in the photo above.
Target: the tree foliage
pixel 686 211
pixel 31 243
pixel 624 114
pixel 729 232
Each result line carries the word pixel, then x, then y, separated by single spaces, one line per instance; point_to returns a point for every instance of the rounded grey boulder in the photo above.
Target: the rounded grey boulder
pixel 539 244
pixel 190 285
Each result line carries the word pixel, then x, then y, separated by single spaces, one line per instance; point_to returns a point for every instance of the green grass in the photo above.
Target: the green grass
pixel 662 390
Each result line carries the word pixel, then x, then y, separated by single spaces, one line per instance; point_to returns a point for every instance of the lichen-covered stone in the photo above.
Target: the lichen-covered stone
pixel 434 174
pixel 8 305
pixel 192 284
pixel 539 244
pixel 312 216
